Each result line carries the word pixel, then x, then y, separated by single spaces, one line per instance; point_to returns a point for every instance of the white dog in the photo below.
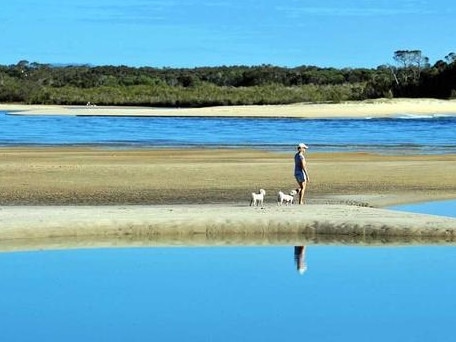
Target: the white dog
pixel 284 198
pixel 257 198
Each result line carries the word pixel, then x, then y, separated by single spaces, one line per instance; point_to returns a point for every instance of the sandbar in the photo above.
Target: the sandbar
pixel 101 197
pixel 350 109
pixel 218 224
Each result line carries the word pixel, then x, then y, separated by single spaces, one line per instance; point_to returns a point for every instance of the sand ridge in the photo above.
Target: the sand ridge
pixel 187 220
pixel 351 109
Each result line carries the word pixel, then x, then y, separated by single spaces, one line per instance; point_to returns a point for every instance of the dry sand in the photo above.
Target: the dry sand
pixel 370 108
pixel 80 197
pixel 214 225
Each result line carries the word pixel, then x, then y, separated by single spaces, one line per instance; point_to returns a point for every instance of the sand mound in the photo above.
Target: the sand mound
pixel 43 222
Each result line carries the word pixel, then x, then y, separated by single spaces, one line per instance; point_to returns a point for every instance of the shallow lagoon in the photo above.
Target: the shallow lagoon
pixel 347 293
pixel 441 208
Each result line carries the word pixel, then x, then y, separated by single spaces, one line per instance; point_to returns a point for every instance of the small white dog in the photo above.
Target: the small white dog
pixel 284 198
pixel 257 198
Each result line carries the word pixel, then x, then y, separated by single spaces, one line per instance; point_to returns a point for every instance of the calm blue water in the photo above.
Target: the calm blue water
pixel 433 134
pixel 441 208
pixel 347 293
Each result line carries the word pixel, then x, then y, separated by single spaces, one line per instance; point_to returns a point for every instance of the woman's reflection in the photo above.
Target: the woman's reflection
pixel 300 259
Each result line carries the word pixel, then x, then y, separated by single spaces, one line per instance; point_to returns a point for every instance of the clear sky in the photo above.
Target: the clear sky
pixel 191 33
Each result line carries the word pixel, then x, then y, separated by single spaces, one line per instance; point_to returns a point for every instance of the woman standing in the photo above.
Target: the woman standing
pixel 301 173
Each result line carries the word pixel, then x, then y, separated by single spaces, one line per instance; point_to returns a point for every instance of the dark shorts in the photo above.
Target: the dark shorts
pixel 300 177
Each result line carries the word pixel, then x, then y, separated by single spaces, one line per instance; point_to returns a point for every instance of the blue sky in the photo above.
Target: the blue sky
pixel 191 33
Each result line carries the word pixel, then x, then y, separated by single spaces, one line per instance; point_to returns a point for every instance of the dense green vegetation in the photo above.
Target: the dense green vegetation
pixel 410 76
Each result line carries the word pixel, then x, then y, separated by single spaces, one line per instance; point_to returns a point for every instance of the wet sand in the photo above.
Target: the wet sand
pixel 91 176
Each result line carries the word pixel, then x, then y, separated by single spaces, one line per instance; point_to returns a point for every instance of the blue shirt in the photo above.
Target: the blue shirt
pixel 298 164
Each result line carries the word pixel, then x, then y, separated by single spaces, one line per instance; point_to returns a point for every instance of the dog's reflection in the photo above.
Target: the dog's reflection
pixel 300 259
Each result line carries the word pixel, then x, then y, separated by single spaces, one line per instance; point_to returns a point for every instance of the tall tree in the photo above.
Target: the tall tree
pixel 411 63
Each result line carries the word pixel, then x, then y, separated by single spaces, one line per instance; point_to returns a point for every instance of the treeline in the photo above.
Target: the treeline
pixel 411 76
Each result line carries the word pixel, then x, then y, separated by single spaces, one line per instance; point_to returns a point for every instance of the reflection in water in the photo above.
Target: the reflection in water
pixel 300 259
pixel 138 294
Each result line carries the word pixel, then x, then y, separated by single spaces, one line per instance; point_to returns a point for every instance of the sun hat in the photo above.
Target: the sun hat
pixel 301 145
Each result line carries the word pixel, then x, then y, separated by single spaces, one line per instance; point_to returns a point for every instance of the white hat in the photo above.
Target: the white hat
pixel 301 145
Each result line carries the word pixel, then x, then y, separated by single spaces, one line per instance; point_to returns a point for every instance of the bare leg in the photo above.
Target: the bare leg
pixel 301 190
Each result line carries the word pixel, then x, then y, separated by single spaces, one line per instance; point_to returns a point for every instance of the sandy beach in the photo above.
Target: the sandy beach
pixel 370 108
pixel 91 176
pixel 55 193
pixel 90 194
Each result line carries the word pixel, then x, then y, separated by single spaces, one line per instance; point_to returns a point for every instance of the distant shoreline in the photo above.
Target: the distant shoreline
pixel 362 109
